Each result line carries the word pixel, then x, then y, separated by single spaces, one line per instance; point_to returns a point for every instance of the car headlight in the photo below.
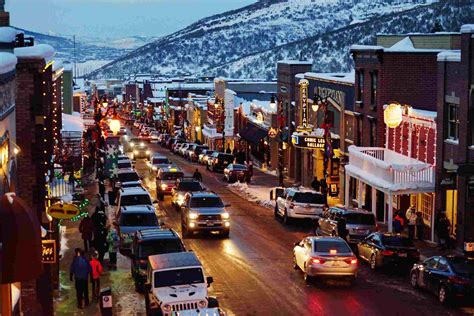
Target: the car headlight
pixel 142 144
pixel 135 152
pixel 225 215
pixel 147 152
pixel 166 308
pixel 202 304
pixel 164 186
pixel 180 199
pixel 132 144
pixel 154 168
pixel 193 215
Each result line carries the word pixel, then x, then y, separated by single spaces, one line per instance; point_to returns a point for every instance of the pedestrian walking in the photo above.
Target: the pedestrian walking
pixel 197 175
pixel 80 270
pixel 97 269
pixel 420 225
pixel 316 185
pixel 250 168
pixel 228 150
pixel 113 242
pixel 99 218
pixel 100 243
pixel 411 221
pixel 324 190
pixel 341 228
pixel 442 229
pixel 86 228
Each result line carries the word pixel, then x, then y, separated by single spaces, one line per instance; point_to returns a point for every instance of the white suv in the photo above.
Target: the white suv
pixel 299 203
pixel 133 196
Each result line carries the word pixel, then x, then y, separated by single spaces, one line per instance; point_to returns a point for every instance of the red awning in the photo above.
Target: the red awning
pixel 20 235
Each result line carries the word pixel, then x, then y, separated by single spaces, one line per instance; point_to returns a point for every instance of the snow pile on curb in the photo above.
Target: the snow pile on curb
pixel 254 193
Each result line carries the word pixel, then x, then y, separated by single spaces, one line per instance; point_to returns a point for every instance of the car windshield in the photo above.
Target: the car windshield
pixel 397 241
pixel 189 186
pixel 308 197
pixel 206 202
pixel 462 266
pixel 209 152
pixel 138 219
pixel 141 148
pixel 136 199
pixel 124 165
pixel 360 219
pixel 135 140
pixel 226 157
pixel 329 246
pixel 171 175
pixel 239 167
pixel 178 277
pixel 160 161
pixel 158 247
pixel 127 177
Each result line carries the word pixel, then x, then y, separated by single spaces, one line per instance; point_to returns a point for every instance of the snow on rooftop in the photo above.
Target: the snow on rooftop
pixel 450 55
pixel 7 62
pixel 8 34
pixel 72 123
pixel 40 51
pixel 339 77
pixel 295 62
pixel 467 28
pixel 366 47
pixel 406 45
pixel 422 113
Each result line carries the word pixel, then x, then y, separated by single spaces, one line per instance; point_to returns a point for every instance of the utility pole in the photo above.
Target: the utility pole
pixel 75 59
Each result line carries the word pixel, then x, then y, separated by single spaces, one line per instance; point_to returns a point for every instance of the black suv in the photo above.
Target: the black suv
pixel 219 161
pixel 150 242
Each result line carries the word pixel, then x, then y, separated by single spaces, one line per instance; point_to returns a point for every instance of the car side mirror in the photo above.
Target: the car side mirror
pixel 209 280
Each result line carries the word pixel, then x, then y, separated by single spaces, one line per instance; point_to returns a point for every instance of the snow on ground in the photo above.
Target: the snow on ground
pixel 63 245
pixel 255 193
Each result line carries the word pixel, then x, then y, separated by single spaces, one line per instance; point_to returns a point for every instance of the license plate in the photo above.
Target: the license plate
pixel 336 264
pixel 402 254
pixel 209 224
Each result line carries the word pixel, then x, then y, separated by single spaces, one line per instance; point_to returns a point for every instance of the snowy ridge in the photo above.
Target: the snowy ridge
pixel 231 36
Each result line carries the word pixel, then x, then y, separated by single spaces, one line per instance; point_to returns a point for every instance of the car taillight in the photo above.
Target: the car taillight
pixel 292 205
pixel 388 253
pixel 458 280
pixel 414 253
pixel 351 261
pixel 317 260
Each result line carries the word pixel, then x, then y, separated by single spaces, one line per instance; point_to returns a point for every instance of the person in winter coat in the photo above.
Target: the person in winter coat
pixel 411 221
pixel 100 243
pixel 315 184
pixel 197 175
pixel 113 242
pixel 341 228
pixel 398 223
pixel 419 226
pixel 96 268
pixel 99 219
pixel 80 270
pixel 87 231
pixel 442 229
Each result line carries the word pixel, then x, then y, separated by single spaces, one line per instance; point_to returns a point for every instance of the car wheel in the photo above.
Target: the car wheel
pixel 275 212
pixel 443 296
pixel 414 279
pixel 295 265
pixel 373 262
pixel 286 219
pixel 307 278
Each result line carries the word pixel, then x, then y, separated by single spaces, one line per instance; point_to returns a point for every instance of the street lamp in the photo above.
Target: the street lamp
pixel 115 125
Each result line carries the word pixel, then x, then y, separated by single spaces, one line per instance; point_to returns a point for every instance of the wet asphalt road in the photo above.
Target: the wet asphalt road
pixel 253 272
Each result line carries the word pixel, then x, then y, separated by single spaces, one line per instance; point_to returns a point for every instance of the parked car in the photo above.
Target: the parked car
pixel 299 203
pixel 448 277
pixel 127 178
pixel 145 135
pixel 388 249
pixel 154 136
pixel 166 181
pixel 132 196
pixel 219 161
pixel 325 257
pixel 141 151
pixel 183 186
pixel 204 155
pixel 158 161
pixel 236 172
pixel 183 148
pixel 204 211
pixel 196 150
pixel 176 147
pixel 124 164
pixel 130 219
pixel 359 223
pixel 149 242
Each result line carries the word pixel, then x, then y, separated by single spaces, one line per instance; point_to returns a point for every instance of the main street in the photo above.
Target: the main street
pixel 253 272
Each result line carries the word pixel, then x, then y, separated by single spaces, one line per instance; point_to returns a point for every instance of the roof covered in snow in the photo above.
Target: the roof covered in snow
pixel 295 62
pixel 7 62
pixel 450 55
pixel 406 46
pixel 8 34
pixel 366 47
pixel 40 51
pixel 338 77
pixel 467 28
pixel 72 123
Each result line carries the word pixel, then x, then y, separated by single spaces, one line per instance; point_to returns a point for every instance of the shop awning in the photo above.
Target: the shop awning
pixel 20 236
pixel 253 133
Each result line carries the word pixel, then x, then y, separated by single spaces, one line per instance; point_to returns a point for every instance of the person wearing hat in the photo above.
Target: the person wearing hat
pixel 95 275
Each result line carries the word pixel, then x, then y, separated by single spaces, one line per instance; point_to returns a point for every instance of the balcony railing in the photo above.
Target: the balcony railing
pixel 390 169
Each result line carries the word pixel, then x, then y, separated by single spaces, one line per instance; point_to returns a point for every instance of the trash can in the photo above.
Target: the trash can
pixel 106 301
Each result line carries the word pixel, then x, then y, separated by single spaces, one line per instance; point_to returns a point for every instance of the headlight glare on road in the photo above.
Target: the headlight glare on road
pixel 225 215
pixel 132 144
pixel 202 304
pixel 193 215
pixel 142 144
pixel 147 152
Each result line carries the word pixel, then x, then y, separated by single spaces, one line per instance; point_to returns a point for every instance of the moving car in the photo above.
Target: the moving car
pixel 176 282
pixel 158 161
pixel 388 249
pixel 236 172
pixel 131 143
pixel 127 178
pixel 148 242
pixel 129 220
pixel 145 135
pixel 299 203
pixel 325 257
pixel 141 151
pixel 359 223
pixel 166 181
pixel 448 277
pixel 219 161
pixel 195 151
pixel 204 211
pixel 183 186
pixel 204 155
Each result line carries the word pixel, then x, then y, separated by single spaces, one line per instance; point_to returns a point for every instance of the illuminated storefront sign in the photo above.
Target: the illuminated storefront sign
pixel 48 253
pixel 393 115
pixel 304 115
pixel 310 142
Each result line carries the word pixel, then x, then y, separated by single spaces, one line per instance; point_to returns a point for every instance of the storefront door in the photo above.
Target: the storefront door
pixel 452 208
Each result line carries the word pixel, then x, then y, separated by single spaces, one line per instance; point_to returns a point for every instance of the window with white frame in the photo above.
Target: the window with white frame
pixel 427 206
pixel 453 121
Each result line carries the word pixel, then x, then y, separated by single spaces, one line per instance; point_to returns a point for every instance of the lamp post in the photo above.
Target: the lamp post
pixel 220 118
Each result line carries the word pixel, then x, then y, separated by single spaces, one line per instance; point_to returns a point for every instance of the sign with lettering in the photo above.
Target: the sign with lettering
pixel 304 115
pixel 309 142
pixel 393 115
pixel 48 253
pixel 336 95
pixel 63 210
pixel 272 132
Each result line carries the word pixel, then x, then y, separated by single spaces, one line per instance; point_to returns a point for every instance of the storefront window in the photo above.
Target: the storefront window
pixel 451 208
pixel 360 84
pixel 453 121
pixel 427 206
pixel 373 91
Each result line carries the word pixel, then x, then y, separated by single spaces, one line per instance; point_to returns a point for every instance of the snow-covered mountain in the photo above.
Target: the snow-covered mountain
pixel 127 43
pixel 229 38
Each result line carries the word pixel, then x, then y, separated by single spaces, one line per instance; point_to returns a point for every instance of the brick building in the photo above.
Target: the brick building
pixel 455 144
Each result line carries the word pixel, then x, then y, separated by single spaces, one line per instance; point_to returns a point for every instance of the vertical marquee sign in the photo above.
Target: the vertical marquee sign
pixel 303 126
pixel 48 253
